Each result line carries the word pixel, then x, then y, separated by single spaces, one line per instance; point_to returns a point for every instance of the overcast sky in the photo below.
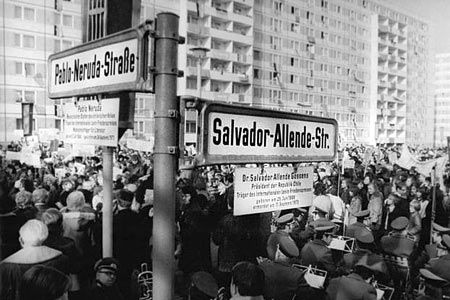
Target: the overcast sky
pixel 437 12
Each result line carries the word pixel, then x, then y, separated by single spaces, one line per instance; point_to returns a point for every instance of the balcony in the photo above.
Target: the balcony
pixel 231 36
pixel 198 29
pixel 384 28
pixel 192 72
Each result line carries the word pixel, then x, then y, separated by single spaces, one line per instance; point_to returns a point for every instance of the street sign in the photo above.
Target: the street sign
pixel 233 134
pixel 259 190
pixel 116 63
pixel 92 122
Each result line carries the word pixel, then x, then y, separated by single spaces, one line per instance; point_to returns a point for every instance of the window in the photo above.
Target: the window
pixel 28 14
pixel 19 68
pixel 30 69
pixel 17 42
pixel 28 41
pixel 67 20
pixel 256 73
pixel 17 12
pixel 30 96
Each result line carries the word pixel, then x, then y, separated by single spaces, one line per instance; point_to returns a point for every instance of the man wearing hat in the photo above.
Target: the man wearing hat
pixel 364 246
pixel 284 227
pixel 105 287
pixel 397 242
pixel 203 286
pixel 316 252
pixel 360 217
pixel 430 286
pixel 127 240
pixel 441 265
pixel 282 279
pixel 356 285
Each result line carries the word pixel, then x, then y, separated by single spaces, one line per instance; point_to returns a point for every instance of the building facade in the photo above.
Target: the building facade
pixel 442 95
pixel 31 31
pixel 361 62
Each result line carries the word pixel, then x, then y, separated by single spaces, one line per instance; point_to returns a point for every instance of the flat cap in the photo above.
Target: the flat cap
pixel 323 225
pixel 362 213
pixel 400 223
pixel 446 241
pixel 288 247
pixel 427 274
pixel 284 219
pixel 205 283
pixel 364 235
pixel 440 228
pixel 108 263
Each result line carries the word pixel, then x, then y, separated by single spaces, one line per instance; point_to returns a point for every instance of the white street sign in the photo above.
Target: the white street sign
pixel 116 63
pixel 232 134
pixel 271 190
pixel 92 122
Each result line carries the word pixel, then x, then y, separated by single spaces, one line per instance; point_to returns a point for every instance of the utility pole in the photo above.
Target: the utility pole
pixel 165 155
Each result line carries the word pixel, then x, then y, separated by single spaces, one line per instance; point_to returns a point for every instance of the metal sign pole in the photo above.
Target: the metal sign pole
pixel 107 209
pixel 165 155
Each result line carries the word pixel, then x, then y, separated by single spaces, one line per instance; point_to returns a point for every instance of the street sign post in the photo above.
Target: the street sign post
pixel 116 63
pixel 233 134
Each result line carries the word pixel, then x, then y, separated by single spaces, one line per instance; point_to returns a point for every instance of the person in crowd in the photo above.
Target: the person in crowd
pixel 32 236
pixel 441 265
pixel 357 285
pixel 362 218
pixel 364 246
pixel 127 240
pixel 393 210
pixel 344 192
pixel 355 204
pixel 195 234
pixel 322 201
pixel 25 209
pixel 40 200
pixel 431 286
pixel 78 221
pixel 204 287
pixel 105 286
pixel 284 225
pixel 316 252
pixel 68 186
pixel 282 280
pixel 247 282
pixel 375 208
pixel 338 207
pixel 362 192
pixel 238 239
pixel 97 198
pixel 9 224
pixel 42 282
pixel 398 242
pixel 415 222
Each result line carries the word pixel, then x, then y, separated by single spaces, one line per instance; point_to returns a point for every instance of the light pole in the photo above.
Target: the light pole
pixel 200 53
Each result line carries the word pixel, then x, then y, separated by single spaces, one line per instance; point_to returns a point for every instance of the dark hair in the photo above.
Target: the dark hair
pixel 248 278
pixel 43 283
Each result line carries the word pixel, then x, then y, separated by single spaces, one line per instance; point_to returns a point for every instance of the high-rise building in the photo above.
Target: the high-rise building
pixel 362 62
pixel 31 31
pixel 442 95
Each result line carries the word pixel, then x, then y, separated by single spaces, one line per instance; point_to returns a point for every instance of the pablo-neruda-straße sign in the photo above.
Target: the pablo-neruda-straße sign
pixel 111 64
pixel 233 134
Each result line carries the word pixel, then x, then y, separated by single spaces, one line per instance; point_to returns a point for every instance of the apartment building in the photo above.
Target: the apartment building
pixel 442 96
pixel 361 62
pixel 31 31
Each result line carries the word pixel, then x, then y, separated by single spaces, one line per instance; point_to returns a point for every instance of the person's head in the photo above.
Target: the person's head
pixel 53 218
pixel 76 201
pixel 106 271
pixel 125 198
pixel 40 196
pixel 98 190
pixel 189 194
pixel 247 279
pixel 33 233
pixel 402 189
pixel 26 185
pixel 372 188
pixel 393 199
pixel 68 185
pixel 368 178
pixel 44 283
pixel 24 199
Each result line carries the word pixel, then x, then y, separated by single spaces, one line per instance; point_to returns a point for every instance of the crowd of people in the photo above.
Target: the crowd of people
pixel 51 233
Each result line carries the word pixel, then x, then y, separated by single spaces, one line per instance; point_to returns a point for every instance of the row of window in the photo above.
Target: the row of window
pixel 29 14
pixel 29 41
